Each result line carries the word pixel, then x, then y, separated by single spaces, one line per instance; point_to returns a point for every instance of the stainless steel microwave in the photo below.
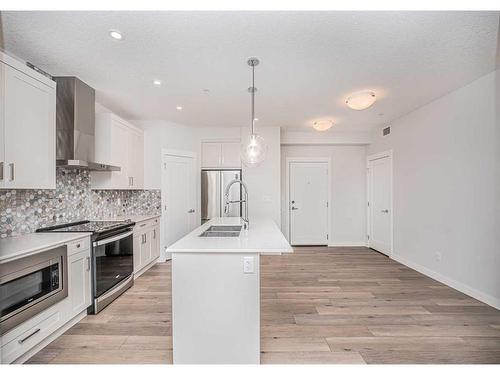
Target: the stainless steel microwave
pixel 31 284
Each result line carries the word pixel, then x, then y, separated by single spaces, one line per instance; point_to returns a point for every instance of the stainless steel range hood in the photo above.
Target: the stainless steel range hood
pixel 75 126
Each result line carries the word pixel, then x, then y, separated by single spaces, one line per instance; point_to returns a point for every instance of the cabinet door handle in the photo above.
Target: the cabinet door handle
pixel 11 166
pixel 30 335
pixel 154 233
pixel 1 170
pixel 88 263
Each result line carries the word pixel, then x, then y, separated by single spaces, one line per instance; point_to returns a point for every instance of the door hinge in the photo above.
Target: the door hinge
pixel 368 204
pixel 368 237
pixel 326 204
pixel 327 236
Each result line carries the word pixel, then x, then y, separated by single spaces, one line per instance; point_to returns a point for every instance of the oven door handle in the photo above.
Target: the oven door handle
pixel 113 239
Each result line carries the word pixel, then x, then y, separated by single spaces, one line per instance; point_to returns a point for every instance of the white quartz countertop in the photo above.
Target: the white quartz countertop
pixel 16 247
pixel 263 236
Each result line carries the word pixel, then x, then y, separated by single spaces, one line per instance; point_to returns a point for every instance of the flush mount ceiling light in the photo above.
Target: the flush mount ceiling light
pixel 115 34
pixel 361 100
pixel 253 150
pixel 179 108
pixel 157 82
pixel 322 125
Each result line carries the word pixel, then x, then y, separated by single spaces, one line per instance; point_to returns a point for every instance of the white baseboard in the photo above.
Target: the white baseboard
pixel 147 267
pixel 474 293
pixel 346 244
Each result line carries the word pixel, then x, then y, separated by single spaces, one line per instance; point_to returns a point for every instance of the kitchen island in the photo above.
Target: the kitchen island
pixel 216 290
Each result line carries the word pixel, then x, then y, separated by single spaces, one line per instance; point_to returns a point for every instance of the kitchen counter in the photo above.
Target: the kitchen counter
pixel 16 247
pixel 263 237
pixel 216 292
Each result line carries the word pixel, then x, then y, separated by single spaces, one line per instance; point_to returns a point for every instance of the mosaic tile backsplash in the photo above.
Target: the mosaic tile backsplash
pixel 24 211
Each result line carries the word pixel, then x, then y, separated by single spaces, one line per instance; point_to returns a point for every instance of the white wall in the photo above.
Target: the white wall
pixel 446 188
pixel 348 184
pixel 160 135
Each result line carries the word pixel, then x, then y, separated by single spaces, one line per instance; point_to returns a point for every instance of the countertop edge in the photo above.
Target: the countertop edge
pixel 43 246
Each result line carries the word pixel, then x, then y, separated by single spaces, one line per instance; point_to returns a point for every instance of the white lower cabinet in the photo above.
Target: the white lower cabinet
pixel 146 245
pixel 80 280
pixel 155 242
pixel 24 340
pixel 29 334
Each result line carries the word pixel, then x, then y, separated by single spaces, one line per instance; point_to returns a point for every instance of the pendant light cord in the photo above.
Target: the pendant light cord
pixel 253 99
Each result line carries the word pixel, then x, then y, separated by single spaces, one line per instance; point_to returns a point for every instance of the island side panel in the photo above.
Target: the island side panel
pixel 216 308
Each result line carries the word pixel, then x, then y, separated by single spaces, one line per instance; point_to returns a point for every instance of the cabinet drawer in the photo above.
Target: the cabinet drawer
pixel 78 246
pixel 30 337
pixel 146 224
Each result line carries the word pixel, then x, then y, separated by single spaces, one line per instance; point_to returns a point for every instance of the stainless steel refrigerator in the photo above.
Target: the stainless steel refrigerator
pixel 213 186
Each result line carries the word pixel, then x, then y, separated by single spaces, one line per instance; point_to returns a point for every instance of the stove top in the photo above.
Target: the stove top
pixel 95 227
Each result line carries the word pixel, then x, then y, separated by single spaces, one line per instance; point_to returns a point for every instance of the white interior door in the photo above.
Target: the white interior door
pixel 308 206
pixel 379 204
pixel 178 197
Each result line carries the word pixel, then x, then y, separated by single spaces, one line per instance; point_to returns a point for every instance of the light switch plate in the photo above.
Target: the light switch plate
pixel 248 265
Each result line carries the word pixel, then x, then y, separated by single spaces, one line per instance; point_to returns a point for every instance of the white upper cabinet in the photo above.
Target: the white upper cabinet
pixel 230 155
pixel 135 159
pixel 210 154
pixel 27 127
pixel 121 144
pixel 220 155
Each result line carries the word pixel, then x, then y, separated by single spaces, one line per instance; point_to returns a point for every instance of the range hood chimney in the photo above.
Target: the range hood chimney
pixel 75 126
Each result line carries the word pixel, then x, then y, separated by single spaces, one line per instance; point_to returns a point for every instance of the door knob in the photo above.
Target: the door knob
pixel 191 211
pixel 294 208
pixel 385 211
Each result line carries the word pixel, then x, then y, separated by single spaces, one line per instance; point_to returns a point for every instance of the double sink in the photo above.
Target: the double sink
pixel 222 231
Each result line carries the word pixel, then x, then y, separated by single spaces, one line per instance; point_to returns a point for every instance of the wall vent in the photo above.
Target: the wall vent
pixel 386 131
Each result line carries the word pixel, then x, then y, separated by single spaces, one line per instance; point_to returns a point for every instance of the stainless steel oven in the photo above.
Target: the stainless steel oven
pixel 31 284
pixel 113 270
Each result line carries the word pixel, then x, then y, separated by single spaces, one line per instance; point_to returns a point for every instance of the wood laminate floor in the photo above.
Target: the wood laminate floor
pixel 318 305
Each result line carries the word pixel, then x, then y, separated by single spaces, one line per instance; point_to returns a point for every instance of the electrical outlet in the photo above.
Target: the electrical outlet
pixel 248 265
pixel 438 256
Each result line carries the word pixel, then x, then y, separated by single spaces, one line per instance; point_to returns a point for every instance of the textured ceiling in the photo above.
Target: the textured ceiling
pixel 310 61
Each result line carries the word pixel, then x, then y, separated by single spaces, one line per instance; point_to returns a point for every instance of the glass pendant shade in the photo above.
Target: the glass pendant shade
pixel 253 150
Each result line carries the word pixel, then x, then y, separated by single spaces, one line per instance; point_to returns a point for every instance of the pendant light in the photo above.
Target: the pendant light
pixel 253 149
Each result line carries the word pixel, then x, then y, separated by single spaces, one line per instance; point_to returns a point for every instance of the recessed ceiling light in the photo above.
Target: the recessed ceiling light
pixel 322 125
pixel 179 108
pixel 156 82
pixel 115 34
pixel 361 100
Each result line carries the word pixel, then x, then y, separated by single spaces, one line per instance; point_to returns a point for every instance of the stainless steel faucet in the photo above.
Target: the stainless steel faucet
pixel 227 202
